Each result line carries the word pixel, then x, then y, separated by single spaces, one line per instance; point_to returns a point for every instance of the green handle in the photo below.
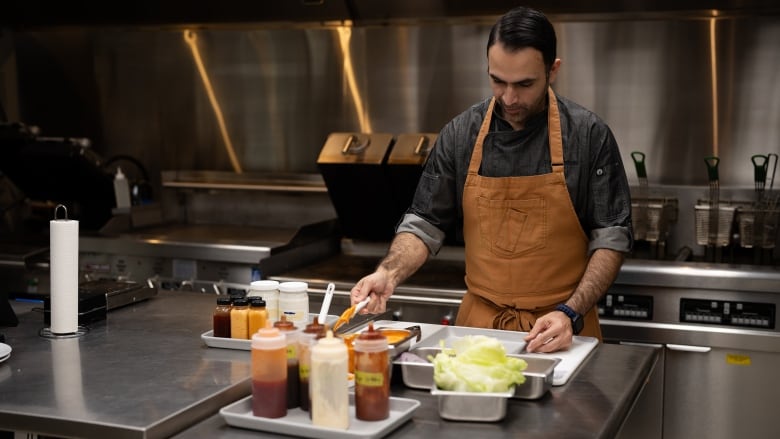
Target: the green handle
pixel 712 167
pixel 639 161
pixel 760 163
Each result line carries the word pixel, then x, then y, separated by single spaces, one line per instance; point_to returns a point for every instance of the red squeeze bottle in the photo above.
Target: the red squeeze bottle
pixel 269 373
pixel 293 375
pixel 372 376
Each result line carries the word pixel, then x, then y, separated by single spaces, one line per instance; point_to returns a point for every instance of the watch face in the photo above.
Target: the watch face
pixel 577 325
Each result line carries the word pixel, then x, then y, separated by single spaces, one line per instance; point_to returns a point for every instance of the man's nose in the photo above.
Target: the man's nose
pixel 510 96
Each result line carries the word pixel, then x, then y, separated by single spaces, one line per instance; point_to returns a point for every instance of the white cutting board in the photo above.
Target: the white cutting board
pixel 571 359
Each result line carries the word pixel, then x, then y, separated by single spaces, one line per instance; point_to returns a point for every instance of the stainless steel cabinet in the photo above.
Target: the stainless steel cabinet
pixel 720 393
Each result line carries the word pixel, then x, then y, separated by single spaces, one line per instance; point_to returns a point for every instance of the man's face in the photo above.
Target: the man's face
pixel 519 82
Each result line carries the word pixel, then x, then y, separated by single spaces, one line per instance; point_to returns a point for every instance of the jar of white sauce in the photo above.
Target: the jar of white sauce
pixel 294 302
pixel 269 291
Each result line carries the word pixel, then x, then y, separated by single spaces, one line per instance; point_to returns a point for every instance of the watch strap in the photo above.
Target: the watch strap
pixel 576 318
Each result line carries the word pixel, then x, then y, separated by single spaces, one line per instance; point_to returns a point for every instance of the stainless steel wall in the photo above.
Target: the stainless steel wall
pixel 677 87
pixel 281 90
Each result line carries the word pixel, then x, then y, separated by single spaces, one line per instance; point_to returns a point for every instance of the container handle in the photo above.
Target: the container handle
pixel 774 168
pixel 760 163
pixel 56 209
pixel 353 146
pixel 712 167
pixel 688 348
pixel 639 161
pixel 422 146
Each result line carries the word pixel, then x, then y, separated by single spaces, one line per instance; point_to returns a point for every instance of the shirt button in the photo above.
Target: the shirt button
pixel 599 172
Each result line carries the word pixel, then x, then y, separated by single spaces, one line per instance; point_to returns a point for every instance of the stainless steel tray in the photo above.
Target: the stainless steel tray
pixel 538 374
pixel 472 406
pixel 399 347
pixel 298 423
pixel 513 341
pixel 245 345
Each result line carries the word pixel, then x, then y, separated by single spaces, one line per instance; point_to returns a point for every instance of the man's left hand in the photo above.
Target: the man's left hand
pixel 552 332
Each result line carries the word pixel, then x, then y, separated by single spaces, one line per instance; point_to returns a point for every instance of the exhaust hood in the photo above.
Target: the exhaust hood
pixel 36 13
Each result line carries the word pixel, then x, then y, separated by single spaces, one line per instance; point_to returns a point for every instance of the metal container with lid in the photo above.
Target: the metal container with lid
pixel 405 166
pixel 353 167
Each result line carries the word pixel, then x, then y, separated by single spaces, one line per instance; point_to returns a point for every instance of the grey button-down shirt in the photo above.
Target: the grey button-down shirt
pixel 594 172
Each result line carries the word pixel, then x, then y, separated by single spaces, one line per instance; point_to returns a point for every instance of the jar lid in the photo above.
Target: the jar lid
pixel 293 287
pixel 256 302
pixel 264 285
pixel 224 300
pixel 241 301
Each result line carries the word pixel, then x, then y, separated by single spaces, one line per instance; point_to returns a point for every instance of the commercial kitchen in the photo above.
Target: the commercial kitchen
pixel 284 140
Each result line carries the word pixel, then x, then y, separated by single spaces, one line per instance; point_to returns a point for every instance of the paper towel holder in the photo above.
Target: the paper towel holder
pixel 80 330
pixel 57 208
pixel 46 333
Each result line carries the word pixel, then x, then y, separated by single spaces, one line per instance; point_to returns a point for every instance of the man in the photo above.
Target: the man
pixel 535 185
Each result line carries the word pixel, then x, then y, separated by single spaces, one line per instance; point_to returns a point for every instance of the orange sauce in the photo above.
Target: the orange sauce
pixel 394 335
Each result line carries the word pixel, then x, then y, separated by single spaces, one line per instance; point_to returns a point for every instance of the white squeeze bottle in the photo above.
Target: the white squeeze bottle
pixel 328 383
pixel 121 189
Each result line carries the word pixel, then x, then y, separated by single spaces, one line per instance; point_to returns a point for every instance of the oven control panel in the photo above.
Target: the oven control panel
pixel 731 313
pixel 626 306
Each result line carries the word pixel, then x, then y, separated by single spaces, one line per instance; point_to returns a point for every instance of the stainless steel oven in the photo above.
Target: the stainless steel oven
pixel 721 342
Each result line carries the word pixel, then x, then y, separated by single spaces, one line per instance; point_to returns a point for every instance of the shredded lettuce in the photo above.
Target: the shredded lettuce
pixel 477 363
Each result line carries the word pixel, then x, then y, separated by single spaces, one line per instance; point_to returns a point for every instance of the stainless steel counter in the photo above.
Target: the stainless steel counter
pixel 142 373
pixel 594 404
pixel 145 373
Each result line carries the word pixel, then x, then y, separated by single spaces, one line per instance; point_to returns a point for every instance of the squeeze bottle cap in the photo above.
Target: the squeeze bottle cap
pixel 371 340
pixel 285 325
pixel 269 338
pixel 330 341
pixel 315 328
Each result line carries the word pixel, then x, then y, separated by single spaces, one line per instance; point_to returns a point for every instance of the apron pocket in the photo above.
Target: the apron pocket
pixel 512 228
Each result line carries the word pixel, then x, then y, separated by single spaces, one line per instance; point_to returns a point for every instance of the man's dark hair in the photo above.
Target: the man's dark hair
pixel 525 27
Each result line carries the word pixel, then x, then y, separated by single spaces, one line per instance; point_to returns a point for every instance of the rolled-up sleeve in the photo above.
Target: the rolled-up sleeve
pixel 609 210
pixel 430 235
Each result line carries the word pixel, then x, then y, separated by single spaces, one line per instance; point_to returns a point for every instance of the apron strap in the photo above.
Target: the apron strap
pixel 476 154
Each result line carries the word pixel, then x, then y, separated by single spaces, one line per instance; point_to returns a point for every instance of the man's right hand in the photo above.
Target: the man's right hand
pixel 406 254
pixel 378 286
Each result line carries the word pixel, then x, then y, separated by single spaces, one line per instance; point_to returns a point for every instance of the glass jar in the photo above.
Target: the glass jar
pixel 239 319
pixel 294 302
pixel 221 317
pixel 269 291
pixel 258 315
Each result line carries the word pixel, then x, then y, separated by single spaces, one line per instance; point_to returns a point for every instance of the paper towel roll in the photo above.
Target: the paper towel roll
pixel 64 265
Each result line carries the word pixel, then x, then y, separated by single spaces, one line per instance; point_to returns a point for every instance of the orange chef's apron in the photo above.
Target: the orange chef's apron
pixel 525 248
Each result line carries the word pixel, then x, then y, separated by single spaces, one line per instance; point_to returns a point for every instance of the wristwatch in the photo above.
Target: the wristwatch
pixel 576 318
